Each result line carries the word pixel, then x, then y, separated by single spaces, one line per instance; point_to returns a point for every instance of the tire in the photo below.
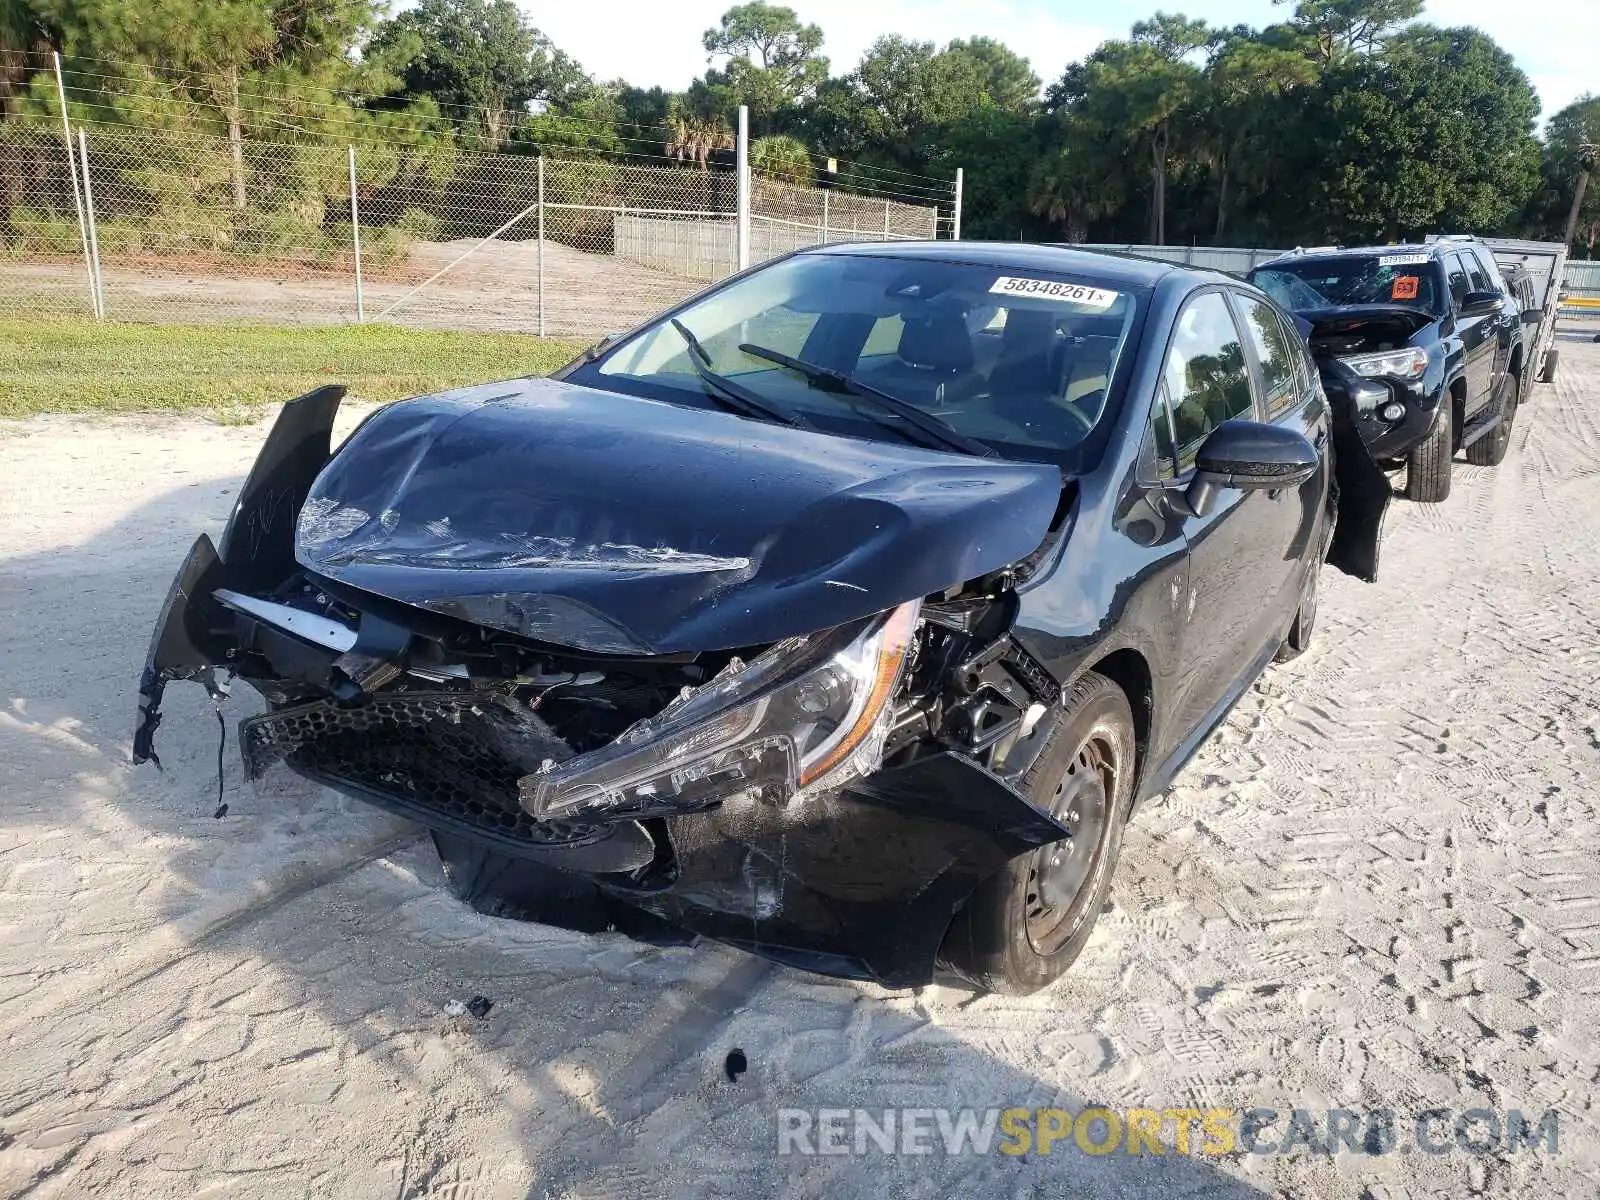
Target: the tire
pixel 1305 621
pixel 1012 936
pixel 1551 358
pixel 1490 451
pixel 1428 466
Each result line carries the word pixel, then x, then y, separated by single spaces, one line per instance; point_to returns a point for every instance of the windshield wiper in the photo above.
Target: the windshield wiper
pixel 826 379
pixel 733 395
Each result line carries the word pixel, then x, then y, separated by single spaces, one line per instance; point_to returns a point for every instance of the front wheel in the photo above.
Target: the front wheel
pixel 1428 466
pixel 1025 925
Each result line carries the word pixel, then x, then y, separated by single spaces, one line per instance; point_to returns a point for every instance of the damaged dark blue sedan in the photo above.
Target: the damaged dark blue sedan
pixel 843 614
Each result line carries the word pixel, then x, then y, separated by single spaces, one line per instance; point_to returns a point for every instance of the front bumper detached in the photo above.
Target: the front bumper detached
pixel 858 880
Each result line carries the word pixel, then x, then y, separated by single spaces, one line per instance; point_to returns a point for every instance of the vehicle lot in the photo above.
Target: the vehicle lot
pixel 1377 887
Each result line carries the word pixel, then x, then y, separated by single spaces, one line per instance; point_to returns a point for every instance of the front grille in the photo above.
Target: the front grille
pixel 449 759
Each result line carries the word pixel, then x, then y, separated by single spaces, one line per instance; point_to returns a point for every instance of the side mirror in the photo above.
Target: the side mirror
pixel 1474 303
pixel 1252 456
pixel 1532 316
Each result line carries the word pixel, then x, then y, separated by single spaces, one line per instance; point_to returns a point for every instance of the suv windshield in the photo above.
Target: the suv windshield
pixel 1409 279
pixel 1017 360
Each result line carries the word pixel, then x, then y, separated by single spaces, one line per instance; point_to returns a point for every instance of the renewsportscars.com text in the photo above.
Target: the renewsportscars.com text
pixel 1212 1131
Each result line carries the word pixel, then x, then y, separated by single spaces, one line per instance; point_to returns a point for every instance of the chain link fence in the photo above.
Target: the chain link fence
pixel 181 227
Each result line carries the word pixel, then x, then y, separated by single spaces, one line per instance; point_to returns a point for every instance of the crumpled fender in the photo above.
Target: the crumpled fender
pixel 257 551
pixel 859 882
pixel 1364 493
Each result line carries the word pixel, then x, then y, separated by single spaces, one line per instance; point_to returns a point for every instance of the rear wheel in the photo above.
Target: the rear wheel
pixel 1024 926
pixel 1428 467
pixel 1490 450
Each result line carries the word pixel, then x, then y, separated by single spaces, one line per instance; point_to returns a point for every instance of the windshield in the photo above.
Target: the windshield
pixel 1401 278
pixel 1019 360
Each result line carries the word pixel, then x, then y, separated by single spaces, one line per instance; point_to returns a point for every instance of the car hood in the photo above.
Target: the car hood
pixel 1397 317
pixel 614 524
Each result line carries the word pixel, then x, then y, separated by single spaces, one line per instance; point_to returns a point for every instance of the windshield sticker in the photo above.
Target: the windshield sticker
pixel 1402 260
pixel 1405 288
pixel 1051 289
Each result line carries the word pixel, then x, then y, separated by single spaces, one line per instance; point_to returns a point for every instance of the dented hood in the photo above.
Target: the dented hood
pixel 619 525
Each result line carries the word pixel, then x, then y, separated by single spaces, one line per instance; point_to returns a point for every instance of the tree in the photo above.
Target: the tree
pixel 1008 80
pixel 781 157
pixel 693 136
pixel 1567 203
pixel 1140 92
pixel 1339 28
pixel 1247 79
pixel 481 56
pixel 772 59
pixel 1435 133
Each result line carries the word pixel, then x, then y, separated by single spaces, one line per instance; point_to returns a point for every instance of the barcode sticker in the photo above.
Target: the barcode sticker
pixel 1053 289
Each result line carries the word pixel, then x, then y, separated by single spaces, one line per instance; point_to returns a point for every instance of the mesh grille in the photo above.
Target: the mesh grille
pixel 435 755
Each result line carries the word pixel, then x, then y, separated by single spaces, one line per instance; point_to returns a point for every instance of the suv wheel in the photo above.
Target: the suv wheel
pixel 1490 451
pixel 1024 926
pixel 1428 466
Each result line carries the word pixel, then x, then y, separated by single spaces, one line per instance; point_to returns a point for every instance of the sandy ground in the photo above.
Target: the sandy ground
pixel 1378 887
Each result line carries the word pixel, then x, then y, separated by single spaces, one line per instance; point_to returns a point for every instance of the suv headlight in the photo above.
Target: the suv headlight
pixel 1409 363
pixel 810 711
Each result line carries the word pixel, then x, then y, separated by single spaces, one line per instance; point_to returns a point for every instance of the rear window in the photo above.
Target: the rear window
pixel 1406 278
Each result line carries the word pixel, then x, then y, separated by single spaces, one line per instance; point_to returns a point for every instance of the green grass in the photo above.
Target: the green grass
pixel 78 366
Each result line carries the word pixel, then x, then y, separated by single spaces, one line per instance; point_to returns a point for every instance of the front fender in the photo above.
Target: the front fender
pixel 860 882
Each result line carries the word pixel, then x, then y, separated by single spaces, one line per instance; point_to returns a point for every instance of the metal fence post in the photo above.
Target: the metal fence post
pixel 955 224
pixel 541 245
pixel 886 220
pixel 77 199
pixel 355 234
pixel 825 217
pixel 94 237
pixel 742 166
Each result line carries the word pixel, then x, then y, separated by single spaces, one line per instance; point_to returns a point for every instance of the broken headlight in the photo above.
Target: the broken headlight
pixel 809 711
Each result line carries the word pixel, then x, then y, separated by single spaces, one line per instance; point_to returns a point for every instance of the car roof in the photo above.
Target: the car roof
pixel 1124 269
pixel 1441 245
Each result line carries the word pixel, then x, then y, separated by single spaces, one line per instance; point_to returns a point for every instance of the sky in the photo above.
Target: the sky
pixel 657 42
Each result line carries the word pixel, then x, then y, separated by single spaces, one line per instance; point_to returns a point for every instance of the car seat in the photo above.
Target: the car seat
pixel 933 363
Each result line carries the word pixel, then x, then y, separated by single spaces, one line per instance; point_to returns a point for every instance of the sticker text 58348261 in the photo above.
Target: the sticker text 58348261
pixel 1054 289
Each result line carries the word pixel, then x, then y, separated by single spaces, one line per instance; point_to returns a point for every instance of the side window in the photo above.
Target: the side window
pixel 1302 368
pixel 1475 275
pixel 1274 351
pixel 1160 434
pixel 1491 269
pixel 1205 374
pixel 1459 287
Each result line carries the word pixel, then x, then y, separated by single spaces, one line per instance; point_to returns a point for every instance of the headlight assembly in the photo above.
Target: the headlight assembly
pixel 1409 363
pixel 808 712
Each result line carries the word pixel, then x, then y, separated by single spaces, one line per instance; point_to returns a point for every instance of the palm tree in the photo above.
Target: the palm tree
pixel 693 137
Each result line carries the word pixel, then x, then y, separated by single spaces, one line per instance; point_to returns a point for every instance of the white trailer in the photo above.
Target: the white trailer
pixel 1546 265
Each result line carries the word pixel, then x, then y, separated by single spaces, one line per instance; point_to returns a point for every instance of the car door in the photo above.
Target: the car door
pixel 1287 397
pixel 1508 324
pixel 1477 332
pixel 1238 576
